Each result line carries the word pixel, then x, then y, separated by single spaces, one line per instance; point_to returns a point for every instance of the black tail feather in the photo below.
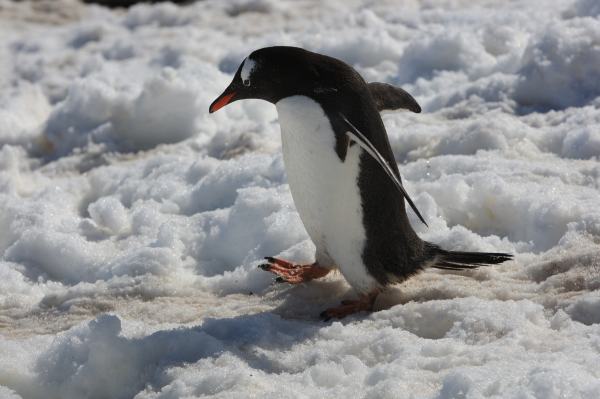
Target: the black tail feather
pixel 458 260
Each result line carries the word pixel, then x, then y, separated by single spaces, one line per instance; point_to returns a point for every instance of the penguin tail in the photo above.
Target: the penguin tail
pixel 459 260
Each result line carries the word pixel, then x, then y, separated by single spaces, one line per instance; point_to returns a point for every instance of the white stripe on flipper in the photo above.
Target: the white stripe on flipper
pixel 366 145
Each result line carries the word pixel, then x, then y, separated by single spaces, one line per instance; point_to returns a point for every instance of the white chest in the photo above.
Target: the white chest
pixel 324 188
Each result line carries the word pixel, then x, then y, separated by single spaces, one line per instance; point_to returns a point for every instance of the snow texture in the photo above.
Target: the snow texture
pixel 132 221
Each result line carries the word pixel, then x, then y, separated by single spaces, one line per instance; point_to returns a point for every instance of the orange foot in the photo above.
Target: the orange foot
pixel 364 303
pixel 294 274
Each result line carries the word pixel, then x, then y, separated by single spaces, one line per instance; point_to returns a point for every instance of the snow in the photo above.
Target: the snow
pixel 132 221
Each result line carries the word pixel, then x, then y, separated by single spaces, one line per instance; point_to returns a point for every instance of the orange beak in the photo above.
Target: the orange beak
pixel 221 101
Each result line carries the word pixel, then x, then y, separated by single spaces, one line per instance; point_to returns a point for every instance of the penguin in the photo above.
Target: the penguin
pixel 342 174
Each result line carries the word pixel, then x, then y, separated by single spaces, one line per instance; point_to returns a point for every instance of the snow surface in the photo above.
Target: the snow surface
pixel 132 221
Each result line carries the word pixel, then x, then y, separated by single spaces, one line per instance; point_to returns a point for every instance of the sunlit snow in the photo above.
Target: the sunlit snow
pixel 132 222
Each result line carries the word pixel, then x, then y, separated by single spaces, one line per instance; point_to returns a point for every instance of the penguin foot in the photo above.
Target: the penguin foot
pixel 293 274
pixel 363 304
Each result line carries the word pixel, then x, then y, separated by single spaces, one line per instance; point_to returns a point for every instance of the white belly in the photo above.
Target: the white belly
pixel 324 188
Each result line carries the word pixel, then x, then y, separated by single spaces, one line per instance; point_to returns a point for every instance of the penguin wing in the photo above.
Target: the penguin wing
pixel 390 98
pixel 355 135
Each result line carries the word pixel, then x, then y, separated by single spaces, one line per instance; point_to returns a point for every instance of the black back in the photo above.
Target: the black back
pixel 393 251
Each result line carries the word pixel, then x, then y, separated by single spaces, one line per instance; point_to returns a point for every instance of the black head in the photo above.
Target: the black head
pixel 273 73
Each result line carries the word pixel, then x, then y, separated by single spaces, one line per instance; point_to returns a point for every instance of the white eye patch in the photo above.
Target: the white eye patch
pixel 248 66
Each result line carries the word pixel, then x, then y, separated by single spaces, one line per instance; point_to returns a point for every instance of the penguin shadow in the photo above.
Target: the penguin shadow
pixel 433 285
pixel 255 339
pixel 307 301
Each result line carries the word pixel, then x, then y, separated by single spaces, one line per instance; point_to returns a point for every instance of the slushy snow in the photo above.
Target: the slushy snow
pixel 132 221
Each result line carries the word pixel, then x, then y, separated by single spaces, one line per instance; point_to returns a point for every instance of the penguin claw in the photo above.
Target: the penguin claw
pixel 281 262
pixel 288 272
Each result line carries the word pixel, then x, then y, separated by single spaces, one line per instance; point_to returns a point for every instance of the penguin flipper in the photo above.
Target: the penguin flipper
pixel 390 98
pixel 355 135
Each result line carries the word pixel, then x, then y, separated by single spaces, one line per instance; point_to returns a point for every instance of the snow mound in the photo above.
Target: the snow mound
pixel 583 8
pixel 559 65
pixel 22 114
pixel 459 51
pixel 164 112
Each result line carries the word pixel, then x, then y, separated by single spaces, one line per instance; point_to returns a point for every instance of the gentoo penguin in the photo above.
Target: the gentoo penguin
pixel 342 174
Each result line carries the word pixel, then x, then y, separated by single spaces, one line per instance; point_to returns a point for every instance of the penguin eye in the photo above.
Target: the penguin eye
pixel 246 82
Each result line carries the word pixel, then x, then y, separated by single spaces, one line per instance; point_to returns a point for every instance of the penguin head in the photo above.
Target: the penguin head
pixel 273 73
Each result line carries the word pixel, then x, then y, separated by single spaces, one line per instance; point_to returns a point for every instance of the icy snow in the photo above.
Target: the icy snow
pixel 132 221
